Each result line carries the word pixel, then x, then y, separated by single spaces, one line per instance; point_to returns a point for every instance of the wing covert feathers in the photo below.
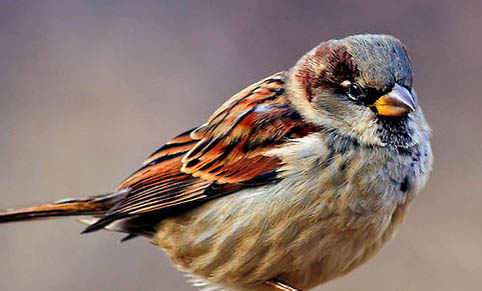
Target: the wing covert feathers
pixel 226 154
pixel 233 143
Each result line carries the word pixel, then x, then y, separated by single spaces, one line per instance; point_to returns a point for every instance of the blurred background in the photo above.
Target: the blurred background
pixel 88 89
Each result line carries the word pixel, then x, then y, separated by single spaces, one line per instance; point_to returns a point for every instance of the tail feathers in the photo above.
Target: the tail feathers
pixel 97 205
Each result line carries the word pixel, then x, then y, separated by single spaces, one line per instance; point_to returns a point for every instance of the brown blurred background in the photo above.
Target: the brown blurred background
pixel 89 88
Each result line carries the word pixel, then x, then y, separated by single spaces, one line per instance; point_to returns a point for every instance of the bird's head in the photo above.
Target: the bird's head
pixel 360 86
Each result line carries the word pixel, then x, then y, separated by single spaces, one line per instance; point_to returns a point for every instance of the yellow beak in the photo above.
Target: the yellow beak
pixel 398 102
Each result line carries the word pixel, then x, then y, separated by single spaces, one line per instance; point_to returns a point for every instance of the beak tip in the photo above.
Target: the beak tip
pixel 398 102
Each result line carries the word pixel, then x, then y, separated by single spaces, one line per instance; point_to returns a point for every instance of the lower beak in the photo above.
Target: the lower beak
pixel 398 102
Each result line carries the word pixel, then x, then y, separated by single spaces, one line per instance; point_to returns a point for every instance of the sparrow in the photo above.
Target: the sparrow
pixel 294 181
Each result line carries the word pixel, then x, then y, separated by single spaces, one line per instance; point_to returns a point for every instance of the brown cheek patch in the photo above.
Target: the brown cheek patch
pixel 305 77
pixel 341 66
pixel 327 68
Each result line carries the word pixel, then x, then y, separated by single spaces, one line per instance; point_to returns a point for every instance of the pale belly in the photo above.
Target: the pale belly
pixel 242 240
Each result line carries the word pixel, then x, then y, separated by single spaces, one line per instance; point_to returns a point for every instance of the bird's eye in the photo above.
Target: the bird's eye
pixel 354 91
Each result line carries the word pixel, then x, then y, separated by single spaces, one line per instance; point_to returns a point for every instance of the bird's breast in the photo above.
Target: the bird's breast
pixel 328 214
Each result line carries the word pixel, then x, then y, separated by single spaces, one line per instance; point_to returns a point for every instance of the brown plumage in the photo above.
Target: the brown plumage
pixel 96 205
pixel 294 181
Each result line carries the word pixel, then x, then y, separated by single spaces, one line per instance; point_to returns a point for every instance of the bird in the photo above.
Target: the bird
pixel 296 180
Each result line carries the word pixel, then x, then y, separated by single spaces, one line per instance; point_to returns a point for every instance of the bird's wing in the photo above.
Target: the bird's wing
pixel 226 154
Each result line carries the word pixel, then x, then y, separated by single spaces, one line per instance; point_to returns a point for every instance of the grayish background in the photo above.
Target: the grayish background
pixel 89 88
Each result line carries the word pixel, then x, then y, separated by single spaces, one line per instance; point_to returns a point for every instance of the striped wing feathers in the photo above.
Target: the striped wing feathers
pixel 224 155
pixel 233 142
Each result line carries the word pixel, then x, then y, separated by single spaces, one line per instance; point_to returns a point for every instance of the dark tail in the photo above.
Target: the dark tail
pixel 97 205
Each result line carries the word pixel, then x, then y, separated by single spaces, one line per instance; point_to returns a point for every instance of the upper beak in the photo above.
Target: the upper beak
pixel 398 102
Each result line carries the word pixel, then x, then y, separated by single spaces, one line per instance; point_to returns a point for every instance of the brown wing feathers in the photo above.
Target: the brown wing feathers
pixel 233 142
pixel 222 156
pixel 158 185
